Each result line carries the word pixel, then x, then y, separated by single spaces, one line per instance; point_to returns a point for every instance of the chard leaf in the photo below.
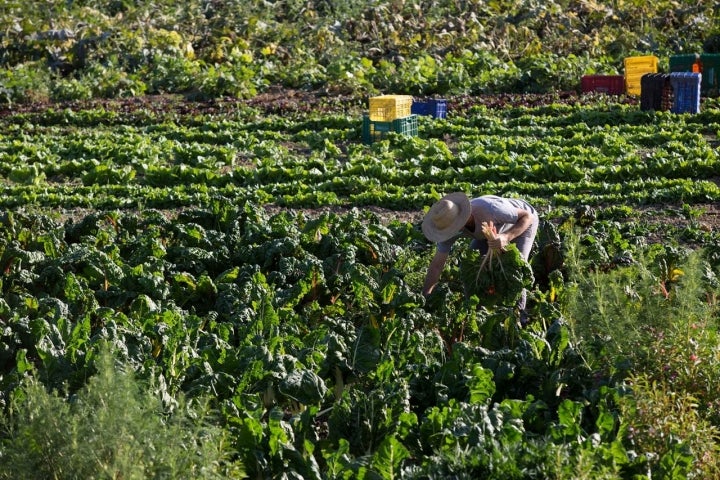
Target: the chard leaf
pixel 228 276
pixel 186 279
pixel 366 351
pixel 206 286
pixel 481 385
pixel 142 306
pixel 569 419
pixel 388 457
pixel 304 386
pixel 29 257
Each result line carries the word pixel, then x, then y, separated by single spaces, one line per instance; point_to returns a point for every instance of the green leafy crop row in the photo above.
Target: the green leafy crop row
pixel 204 250
pixel 561 154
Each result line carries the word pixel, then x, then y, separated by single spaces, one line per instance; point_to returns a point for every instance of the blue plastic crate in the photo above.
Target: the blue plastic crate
pixel 436 107
pixel 686 92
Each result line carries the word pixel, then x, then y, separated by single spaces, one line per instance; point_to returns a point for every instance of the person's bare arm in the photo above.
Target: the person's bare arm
pixel 434 270
pixel 524 220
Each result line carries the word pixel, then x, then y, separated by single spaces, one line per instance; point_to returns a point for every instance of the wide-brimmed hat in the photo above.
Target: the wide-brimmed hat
pixel 446 217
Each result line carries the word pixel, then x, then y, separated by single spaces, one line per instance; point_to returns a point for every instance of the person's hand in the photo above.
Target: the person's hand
pixel 499 242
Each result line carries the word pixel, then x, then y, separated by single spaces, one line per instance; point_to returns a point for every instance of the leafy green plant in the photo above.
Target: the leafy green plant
pixel 170 74
pixel 499 279
pixel 114 426
pixel 24 83
pixel 111 81
pixel 664 423
pixel 68 89
pixel 237 80
pixel 498 48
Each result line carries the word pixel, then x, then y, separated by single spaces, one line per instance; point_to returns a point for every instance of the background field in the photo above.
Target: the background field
pixel 206 49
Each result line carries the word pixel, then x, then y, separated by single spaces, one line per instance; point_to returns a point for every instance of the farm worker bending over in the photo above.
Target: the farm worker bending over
pixel 455 216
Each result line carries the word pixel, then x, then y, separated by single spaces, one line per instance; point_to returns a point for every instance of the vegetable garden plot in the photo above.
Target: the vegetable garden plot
pixel 307 331
pixel 336 300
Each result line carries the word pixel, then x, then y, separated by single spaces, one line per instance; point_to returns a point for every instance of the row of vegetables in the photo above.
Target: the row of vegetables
pixel 307 331
pixel 320 161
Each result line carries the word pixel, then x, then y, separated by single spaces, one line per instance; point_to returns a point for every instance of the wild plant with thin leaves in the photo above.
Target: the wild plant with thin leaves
pixel 656 321
pixel 112 428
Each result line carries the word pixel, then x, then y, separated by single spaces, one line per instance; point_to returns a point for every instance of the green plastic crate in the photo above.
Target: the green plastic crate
pixel 710 69
pixel 683 62
pixel 373 131
pixel 709 66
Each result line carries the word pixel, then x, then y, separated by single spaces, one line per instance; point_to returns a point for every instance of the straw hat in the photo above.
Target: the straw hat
pixel 446 217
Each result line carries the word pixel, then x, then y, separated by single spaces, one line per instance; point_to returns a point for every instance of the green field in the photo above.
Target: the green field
pixel 206 271
pixel 259 265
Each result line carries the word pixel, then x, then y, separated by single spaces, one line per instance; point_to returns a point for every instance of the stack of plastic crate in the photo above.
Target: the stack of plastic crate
pixel 686 62
pixel 389 114
pixel 710 69
pixel 610 84
pixel 655 92
pixel 635 68
pixel 686 92
pixel 434 107
pixel 708 64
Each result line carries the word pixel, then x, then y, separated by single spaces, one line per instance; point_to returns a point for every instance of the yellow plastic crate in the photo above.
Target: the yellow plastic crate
pixel 387 108
pixel 635 68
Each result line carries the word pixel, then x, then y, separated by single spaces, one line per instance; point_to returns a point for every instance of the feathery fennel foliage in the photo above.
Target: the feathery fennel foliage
pixel 113 428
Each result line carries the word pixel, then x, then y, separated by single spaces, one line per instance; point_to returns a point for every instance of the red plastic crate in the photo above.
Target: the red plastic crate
pixel 611 84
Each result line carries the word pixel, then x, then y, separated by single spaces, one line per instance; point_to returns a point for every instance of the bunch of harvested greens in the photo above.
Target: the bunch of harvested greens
pixel 499 276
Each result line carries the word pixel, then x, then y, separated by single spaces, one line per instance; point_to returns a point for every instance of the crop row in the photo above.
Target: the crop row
pixel 319 160
pixel 361 191
pixel 311 338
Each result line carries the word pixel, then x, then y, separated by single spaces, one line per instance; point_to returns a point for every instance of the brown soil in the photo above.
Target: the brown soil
pixel 288 101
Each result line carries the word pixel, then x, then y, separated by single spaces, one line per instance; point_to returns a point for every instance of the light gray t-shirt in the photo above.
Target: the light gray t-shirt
pixel 489 208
